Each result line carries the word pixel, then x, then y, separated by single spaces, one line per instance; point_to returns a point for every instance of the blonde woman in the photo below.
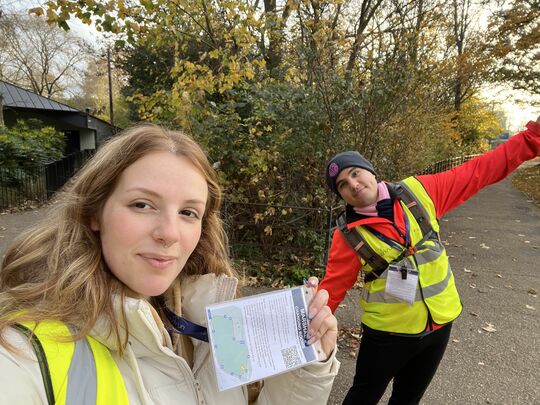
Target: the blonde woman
pixel 91 297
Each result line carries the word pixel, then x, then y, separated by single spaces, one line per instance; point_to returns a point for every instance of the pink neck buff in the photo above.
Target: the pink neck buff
pixel 371 210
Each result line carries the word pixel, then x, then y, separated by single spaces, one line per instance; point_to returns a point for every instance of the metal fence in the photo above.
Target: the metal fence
pixel 279 233
pixel 286 242
pixel 447 164
pixel 20 185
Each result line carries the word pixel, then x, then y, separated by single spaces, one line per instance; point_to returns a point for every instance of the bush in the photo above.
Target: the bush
pixel 30 143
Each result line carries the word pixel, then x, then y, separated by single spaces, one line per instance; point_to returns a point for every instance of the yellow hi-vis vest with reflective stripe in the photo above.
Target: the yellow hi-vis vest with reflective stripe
pixel 436 297
pixel 82 372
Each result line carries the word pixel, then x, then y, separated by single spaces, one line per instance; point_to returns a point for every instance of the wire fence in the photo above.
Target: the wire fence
pixel 279 234
pixel 283 243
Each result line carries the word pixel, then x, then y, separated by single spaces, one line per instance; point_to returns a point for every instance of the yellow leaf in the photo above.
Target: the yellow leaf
pixel 258 217
pixel 36 10
pixel 268 230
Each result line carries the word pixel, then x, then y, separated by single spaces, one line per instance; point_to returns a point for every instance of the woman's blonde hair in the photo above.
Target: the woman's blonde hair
pixel 55 271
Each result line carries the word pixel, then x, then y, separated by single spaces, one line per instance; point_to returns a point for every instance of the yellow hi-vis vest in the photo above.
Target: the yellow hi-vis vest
pixel 81 372
pixel 436 297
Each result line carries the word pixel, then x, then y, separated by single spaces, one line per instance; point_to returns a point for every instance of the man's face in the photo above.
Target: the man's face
pixel 357 186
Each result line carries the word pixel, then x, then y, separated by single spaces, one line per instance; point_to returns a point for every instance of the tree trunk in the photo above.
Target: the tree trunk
pixel 275 26
pixel 367 11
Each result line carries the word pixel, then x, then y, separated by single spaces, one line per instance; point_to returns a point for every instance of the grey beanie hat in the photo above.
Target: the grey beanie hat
pixel 342 161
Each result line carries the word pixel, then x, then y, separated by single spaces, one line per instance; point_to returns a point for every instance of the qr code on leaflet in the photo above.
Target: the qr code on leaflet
pixel 291 357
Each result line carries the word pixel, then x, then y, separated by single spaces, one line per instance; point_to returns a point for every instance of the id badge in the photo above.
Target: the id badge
pixel 401 282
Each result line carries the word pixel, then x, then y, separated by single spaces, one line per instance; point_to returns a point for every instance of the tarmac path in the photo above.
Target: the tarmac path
pixel 494 245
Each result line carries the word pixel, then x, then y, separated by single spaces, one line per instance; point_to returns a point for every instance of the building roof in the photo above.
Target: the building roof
pixel 15 96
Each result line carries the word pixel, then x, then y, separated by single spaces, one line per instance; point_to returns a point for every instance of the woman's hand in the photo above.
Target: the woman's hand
pixel 323 324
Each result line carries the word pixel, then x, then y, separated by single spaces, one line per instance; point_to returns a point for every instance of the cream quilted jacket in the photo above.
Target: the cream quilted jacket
pixel 158 371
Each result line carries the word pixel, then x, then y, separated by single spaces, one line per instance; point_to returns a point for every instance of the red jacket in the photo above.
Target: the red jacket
pixel 447 190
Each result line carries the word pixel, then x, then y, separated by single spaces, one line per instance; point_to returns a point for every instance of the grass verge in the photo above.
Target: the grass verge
pixel 528 181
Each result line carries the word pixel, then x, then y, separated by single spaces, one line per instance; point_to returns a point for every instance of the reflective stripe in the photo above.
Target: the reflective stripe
pixel 82 383
pixel 430 291
pixel 110 384
pixel 430 254
pixel 82 372
pixel 439 287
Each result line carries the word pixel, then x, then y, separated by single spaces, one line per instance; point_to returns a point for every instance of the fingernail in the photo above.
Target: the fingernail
pixel 311 315
pixel 311 341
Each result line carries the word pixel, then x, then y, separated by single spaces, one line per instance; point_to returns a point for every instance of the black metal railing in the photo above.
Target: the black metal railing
pixel 19 185
pixel 447 164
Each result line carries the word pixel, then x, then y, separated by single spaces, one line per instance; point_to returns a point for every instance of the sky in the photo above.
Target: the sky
pixel 516 105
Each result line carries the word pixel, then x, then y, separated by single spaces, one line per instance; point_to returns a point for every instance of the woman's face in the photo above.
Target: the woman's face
pixel 151 223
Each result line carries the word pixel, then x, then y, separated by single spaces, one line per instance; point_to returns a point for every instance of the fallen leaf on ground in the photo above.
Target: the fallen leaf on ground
pixel 498 275
pixel 472 237
pixel 473 313
pixel 455 340
pixel 467 270
pixel 529 307
pixel 532 292
pixel 480 363
pixel 489 328
pixel 484 246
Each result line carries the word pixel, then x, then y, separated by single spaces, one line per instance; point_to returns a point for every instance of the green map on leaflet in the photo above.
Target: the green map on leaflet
pixel 229 342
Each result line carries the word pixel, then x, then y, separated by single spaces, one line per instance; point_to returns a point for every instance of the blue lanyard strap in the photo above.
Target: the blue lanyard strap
pixel 181 325
pixel 408 249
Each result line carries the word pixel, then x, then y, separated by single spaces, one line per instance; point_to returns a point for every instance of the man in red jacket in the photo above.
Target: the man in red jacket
pixel 390 232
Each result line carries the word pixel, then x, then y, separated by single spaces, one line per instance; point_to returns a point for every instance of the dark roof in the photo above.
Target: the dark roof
pixel 15 96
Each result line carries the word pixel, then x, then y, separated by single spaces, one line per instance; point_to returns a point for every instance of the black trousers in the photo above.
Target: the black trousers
pixel 410 361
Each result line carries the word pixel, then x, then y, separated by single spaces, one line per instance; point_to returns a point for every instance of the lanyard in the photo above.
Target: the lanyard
pixel 392 243
pixel 181 325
